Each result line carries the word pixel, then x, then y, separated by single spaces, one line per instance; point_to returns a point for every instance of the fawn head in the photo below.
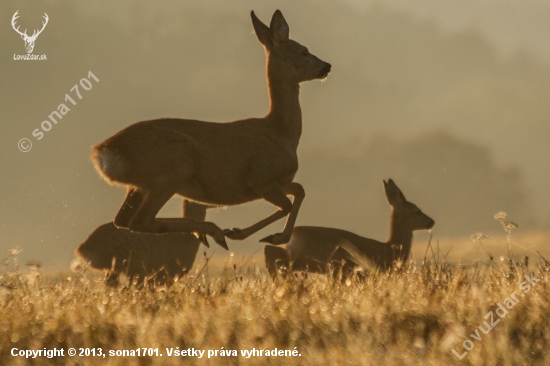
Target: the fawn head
pixel 404 212
pixel 285 56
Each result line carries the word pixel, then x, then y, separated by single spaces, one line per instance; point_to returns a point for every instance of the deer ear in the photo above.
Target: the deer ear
pixel 261 30
pixel 393 193
pixel 279 27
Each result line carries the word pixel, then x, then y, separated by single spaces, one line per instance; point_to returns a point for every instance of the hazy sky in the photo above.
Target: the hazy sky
pixel 448 98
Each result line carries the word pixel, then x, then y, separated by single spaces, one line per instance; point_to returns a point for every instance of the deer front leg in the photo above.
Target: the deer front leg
pixel 297 191
pixel 277 196
pixel 276 260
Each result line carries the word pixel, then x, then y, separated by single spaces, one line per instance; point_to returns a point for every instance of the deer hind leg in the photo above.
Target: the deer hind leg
pixel 158 279
pixel 145 221
pixel 129 207
pixel 343 270
pixel 277 196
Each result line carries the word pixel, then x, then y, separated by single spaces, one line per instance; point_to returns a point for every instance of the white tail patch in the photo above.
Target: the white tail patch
pixel 110 165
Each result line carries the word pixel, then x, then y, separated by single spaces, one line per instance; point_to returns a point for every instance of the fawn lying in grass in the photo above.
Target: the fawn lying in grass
pixel 157 259
pixel 218 163
pixel 314 249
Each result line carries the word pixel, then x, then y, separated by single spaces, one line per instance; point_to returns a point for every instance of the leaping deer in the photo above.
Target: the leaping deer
pixel 314 249
pixel 29 40
pixel 218 163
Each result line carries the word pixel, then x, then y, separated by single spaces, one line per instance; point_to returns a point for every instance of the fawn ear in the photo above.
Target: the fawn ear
pixel 279 27
pixel 393 193
pixel 261 30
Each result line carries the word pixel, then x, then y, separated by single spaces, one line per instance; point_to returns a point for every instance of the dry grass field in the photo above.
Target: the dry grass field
pixel 449 98
pixel 413 316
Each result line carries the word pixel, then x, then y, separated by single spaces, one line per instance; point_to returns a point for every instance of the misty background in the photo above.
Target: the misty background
pixel 450 99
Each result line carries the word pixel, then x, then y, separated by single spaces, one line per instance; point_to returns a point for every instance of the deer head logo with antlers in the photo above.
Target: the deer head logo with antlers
pixel 29 40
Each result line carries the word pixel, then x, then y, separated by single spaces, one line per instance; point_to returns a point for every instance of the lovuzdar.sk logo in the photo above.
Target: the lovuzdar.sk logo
pixel 29 40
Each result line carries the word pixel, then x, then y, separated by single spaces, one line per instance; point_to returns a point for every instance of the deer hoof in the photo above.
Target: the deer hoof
pixel 234 234
pixel 275 239
pixel 204 240
pixel 221 242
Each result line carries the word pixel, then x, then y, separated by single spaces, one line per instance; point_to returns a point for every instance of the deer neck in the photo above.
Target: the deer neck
pixel 401 237
pixel 284 106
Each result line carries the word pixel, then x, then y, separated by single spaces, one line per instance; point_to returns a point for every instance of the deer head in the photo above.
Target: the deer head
pixel 29 40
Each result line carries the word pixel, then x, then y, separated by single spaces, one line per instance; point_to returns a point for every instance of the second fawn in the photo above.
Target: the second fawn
pixel 315 249
pixel 218 163
pixel 157 259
